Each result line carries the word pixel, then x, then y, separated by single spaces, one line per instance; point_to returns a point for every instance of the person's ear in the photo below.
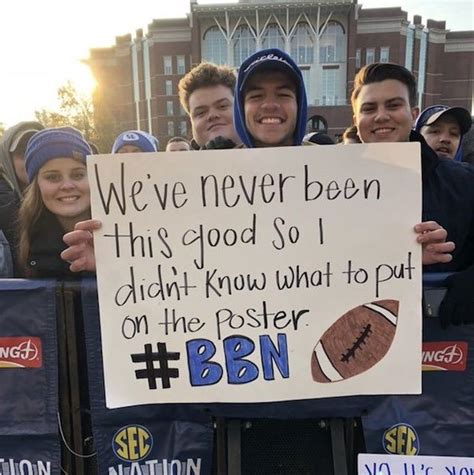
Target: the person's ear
pixel 415 112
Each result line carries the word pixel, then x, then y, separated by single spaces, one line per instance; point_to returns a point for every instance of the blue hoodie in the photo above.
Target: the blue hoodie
pixel 269 59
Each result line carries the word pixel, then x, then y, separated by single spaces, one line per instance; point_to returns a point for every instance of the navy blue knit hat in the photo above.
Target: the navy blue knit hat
pixel 144 141
pixel 272 59
pixel 47 144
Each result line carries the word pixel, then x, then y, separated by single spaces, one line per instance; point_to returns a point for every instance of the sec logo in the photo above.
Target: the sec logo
pixel 401 439
pixel 132 443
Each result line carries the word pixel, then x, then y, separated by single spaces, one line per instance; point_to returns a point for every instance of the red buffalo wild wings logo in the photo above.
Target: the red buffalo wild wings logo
pixel 444 356
pixel 20 352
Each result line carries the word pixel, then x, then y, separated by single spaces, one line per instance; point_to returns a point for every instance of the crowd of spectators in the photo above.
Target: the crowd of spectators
pixel 44 191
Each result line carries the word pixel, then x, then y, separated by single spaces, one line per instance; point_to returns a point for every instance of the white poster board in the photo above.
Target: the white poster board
pixel 222 274
pixel 374 464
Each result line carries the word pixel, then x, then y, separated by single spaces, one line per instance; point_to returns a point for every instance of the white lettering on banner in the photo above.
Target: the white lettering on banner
pixel 20 352
pixel 221 279
pixel 25 351
pixel 451 355
pixel 375 464
pixel 155 467
pixel 24 467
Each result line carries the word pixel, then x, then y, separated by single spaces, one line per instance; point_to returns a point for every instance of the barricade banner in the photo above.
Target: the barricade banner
pixel 253 276
pixel 141 440
pixel 29 440
pixel 440 420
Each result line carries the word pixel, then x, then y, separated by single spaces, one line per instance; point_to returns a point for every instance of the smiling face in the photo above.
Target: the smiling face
pixel 64 188
pixel 270 108
pixel 383 112
pixel 210 111
pixel 443 136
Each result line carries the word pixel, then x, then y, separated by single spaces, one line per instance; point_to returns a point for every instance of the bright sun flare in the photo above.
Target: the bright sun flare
pixel 83 80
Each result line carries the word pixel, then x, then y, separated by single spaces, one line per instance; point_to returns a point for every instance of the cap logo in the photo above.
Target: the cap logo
pixel 435 110
pixel 131 137
pixel 267 57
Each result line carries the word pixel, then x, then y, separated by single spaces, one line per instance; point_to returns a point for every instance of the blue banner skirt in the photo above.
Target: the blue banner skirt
pixel 141 440
pixel 29 440
pixel 440 420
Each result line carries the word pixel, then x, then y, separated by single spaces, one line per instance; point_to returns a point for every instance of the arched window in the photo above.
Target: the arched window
pixel 317 123
pixel 244 44
pixel 332 44
pixel 272 38
pixel 302 45
pixel 214 46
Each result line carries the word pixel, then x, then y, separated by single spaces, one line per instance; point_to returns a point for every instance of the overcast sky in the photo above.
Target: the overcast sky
pixel 43 42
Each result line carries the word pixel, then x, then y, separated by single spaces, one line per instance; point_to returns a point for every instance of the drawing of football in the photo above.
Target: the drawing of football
pixel 355 342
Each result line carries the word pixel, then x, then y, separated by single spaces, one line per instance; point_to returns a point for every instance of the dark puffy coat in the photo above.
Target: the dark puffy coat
pixel 448 198
pixel 46 246
pixel 9 204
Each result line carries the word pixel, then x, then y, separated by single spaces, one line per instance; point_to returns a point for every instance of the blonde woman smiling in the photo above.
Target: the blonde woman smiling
pixel 56 199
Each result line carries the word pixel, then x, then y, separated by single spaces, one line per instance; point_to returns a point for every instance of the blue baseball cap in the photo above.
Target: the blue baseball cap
pixel 431 114
pixel 144 141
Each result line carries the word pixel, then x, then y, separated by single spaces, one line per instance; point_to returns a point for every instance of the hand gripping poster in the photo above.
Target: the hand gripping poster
pixel 258 275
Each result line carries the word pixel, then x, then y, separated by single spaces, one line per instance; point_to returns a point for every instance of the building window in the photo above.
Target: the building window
pixel 409 48
pixel 168 87
pixel 329 97
pixel 170 128
pixel 369 55
pixel 169 108
pixel 167 65
pixel 331 44
pixel 214 46
pixel 181 64
pixel 244 44
pixel 317 123
pixel 181 110
pixel 302 45
pixel 305 72
pixel 358 58
pixel 272 38
pixel 183 128
pixel 384 54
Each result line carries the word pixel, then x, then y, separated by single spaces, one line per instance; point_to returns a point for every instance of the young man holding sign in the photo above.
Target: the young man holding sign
pixel 270 103
pixel 384 108
pixel 270 111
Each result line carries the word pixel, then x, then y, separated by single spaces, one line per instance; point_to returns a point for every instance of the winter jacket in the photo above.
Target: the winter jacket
pixel 448 199
pixel 44 258
pixel 9 204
